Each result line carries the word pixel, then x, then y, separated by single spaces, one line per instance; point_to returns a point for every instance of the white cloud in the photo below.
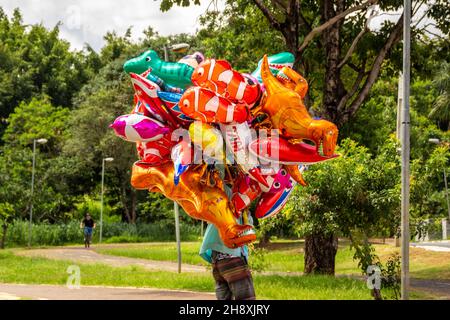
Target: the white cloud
pixel 87 21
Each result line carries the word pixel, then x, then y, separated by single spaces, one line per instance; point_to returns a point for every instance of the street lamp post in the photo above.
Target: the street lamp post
pixel 101 197
pixel 405 145
pixel 437 141
pixel 180 47
pixel 40 141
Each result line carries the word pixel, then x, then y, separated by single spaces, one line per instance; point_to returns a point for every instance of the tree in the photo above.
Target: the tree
pixel 107 96
pixel 336 31
pixel 357 195
pixel 441 110
pixel 34 61
pixel 14 193
pixel 335 49
pixel 34 120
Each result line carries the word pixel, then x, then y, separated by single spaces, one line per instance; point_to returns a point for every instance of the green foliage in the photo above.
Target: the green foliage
pixel 34 61
pixel 44 234
pixel 441 82
pixel 35 120
pixel 258 261
pixel 427 185
pixel 354 192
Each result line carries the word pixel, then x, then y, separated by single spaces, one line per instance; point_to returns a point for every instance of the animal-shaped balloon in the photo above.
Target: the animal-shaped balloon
pixel 245 190
pixel 271 203
pixel 172 73
pixel 219 76
pixel 208 106
pixel 171 101
pixel 135 127
pixel 288 114
pixel 200 201
pixel 181 158
pixel 147 92
pixel 193 60
pixel 276 63
pixel 155 152
pixel 279 150
pixel 210 141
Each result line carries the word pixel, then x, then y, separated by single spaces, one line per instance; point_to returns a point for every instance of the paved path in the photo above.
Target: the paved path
pixel 90 256
pixel 442 246
pixel 48 292
pixel 440 288
pixel 81 255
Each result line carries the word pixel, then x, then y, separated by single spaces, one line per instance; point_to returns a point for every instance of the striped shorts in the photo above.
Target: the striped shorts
pixel 233 279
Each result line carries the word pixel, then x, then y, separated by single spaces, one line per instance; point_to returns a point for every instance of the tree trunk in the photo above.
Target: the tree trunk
pixel 125 204
pixel 334 89
pixel 265 239
pixel 3 241
pixel 320 253
pixel 133 206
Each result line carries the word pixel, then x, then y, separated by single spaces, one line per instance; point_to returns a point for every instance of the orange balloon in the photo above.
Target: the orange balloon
pixel 288 114
pixel 199 200
pixel 208 106
pixel 219 76
pixel 293 80
pixel 296 174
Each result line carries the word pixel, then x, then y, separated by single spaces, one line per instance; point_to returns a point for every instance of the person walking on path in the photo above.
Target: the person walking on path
pixel 88 225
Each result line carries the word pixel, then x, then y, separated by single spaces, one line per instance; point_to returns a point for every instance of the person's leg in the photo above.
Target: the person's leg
pixel 223 292
pixel 238 277
pixel 85 238
pixel 89 239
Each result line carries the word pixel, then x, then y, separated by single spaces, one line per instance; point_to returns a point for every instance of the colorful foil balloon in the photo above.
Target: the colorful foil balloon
pixel 193 60
pixel 181 158
pixel 219 76
pixel 172 73
pixel 209 139
pixel 276 63
pixel 271 203
pixel 281 151
pixel 135 127
pixel 288 114
pixel 147 92
pixel 198 200
pixel 208 106
pixel 171 101
pixel 216 108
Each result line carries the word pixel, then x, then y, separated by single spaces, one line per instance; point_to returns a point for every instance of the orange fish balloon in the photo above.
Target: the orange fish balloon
pixel 200 201
pixel 219 76
pixel 288 114
pixel 208 106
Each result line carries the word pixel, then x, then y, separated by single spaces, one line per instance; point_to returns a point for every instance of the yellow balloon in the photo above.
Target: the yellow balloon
pixel 208 138
pixel 199 200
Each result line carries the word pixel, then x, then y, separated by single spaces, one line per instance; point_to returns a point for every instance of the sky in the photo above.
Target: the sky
pixel 87 21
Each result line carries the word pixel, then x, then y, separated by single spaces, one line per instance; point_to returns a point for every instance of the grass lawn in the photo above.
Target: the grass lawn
pixel 288 256
pixel 15 269
pixel 280 256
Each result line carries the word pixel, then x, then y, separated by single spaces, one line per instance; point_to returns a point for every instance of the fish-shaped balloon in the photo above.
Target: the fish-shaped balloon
pixel 208 106
pixel 219 76
pixel 136 127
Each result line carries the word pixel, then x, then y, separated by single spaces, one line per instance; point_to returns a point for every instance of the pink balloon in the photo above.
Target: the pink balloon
pixel 136 127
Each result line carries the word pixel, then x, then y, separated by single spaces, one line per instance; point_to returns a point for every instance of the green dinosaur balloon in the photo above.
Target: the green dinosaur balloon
pixel 173 73
pixel 276 63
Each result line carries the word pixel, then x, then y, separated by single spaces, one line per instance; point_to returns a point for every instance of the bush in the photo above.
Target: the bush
pixel 70 233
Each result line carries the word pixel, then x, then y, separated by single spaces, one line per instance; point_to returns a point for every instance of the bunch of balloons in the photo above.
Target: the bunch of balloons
pixel 200 126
